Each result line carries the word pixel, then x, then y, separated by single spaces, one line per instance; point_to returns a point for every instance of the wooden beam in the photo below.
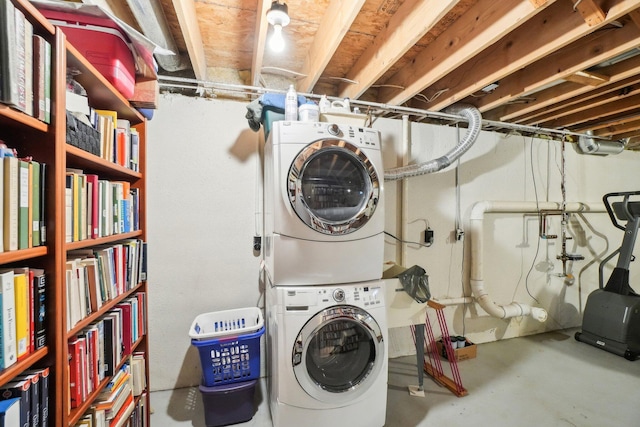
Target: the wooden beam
pixel 259 40
pixel 479 28
pixel 635 17
pixel 406 27
pixel 621 127
pixel 591 13
pixel 538 3
pixel 554 97
pixel 630 86
pixel 580 55
pixel 335 23
pixel 600 126
pixel 616 105
pixel 587 78
pixel 555 27
pixel 188 20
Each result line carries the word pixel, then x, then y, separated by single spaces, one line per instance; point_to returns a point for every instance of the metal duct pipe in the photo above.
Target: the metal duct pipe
pixel 154 25
pixel 590 145
pixel 475 229
pixel 475 124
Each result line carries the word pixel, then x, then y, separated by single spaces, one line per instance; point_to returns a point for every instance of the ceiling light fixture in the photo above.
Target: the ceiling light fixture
pixel 278 16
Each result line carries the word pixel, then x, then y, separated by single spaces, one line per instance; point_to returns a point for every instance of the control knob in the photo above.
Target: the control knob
pixel 338 295
pixel 333 129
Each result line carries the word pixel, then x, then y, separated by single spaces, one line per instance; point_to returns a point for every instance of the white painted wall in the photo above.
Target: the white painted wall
pixel 202 162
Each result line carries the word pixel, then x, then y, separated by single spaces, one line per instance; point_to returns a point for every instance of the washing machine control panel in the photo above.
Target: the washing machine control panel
pixel 364 296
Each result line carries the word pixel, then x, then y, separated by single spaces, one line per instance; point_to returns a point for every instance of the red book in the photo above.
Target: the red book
pixel 127 324
pixel 75 389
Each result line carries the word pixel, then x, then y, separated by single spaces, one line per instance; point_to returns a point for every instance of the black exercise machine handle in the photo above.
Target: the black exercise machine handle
pixel 607 205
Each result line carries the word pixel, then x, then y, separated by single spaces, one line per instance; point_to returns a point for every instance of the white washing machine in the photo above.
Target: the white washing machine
pixel 327 355
pixel 323 204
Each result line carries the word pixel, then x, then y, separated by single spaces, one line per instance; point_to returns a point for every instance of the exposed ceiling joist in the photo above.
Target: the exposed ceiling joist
pixel 485 23
pixel 408 25
pixel 591 12
pixel 587 78
pixel 186 13
pixel 259 40
pixel 590 50
pixel 334 25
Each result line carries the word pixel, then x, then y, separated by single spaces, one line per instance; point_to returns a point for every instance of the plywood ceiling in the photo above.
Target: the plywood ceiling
pixel 561 64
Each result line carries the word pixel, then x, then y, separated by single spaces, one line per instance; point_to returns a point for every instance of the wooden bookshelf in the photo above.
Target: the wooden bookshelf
pixel 46 142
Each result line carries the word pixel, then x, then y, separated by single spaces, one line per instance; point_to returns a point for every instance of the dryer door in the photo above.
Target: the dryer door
pixel 333 187
pixel 338 354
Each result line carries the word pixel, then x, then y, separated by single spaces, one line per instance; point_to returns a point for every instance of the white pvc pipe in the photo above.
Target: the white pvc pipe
pixel 454 301
pixel 475 235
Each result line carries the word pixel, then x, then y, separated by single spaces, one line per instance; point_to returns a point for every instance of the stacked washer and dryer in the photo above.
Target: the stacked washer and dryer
pixel 323 254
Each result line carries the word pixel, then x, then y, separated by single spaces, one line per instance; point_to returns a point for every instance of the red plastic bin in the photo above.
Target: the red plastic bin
pixel 102 43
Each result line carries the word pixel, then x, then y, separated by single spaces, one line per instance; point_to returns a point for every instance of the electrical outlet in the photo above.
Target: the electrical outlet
pixel 428 236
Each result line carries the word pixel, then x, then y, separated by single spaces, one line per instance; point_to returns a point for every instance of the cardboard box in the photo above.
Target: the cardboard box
pixel 469 351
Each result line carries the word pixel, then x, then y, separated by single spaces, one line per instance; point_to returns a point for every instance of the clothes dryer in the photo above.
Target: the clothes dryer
pixel 327 355
pixel 323 204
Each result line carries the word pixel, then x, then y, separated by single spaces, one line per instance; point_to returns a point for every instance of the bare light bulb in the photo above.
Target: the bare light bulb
pixel 277 41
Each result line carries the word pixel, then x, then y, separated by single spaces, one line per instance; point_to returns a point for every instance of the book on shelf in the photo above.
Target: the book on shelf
pixel 28 67
pixel 10 203
pixel 8 351
pixel 39 285
pixel 28 274
pixel 22 390
pixel 39 80
pixel 34 205
pixel 34 397
pixel 10 411
pixel 43 205
pixel 47 82
pixel 138 374
pixel 9 68
pixel 43 393
pixel 20 29
pixel 78 371
pixel 23 204
pixel 107 130
pixel 21 286
pixel 93 195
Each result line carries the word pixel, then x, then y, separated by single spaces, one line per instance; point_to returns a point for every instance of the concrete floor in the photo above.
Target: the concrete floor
pixel 543 380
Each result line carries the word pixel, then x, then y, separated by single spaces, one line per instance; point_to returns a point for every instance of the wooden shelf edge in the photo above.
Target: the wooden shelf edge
pixel 22 254
pixel 7 374
pixel 81 244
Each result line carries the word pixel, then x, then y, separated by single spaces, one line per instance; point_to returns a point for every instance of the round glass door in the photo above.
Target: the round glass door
pixel 338 353
pixel 333 187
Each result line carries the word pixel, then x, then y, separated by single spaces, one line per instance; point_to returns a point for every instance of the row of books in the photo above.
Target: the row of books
pixel 98 207
pixel 25 64
pixel 23 307
pixel 25 400
pixel 119 142
pixel 97 351
pixel 23 198
pixel 101 273
pixel 135 410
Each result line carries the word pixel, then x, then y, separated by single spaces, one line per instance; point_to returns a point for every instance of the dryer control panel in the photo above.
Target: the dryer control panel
pixel 297 132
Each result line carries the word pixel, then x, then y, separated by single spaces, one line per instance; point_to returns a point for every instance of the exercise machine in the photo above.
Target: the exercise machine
pixel 611 318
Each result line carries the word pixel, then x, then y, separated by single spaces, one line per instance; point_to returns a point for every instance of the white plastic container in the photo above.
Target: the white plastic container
pixel 309 113
pixel 291 105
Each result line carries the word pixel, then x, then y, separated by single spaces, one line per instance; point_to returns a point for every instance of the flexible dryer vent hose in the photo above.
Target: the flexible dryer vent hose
pixel 475 124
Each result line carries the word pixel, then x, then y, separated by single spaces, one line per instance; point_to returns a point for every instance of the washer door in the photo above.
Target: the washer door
pixel 338 354
pixel 333 187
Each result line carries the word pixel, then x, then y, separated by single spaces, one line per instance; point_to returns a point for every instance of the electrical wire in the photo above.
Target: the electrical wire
pixel 535 192
pixel 406 241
